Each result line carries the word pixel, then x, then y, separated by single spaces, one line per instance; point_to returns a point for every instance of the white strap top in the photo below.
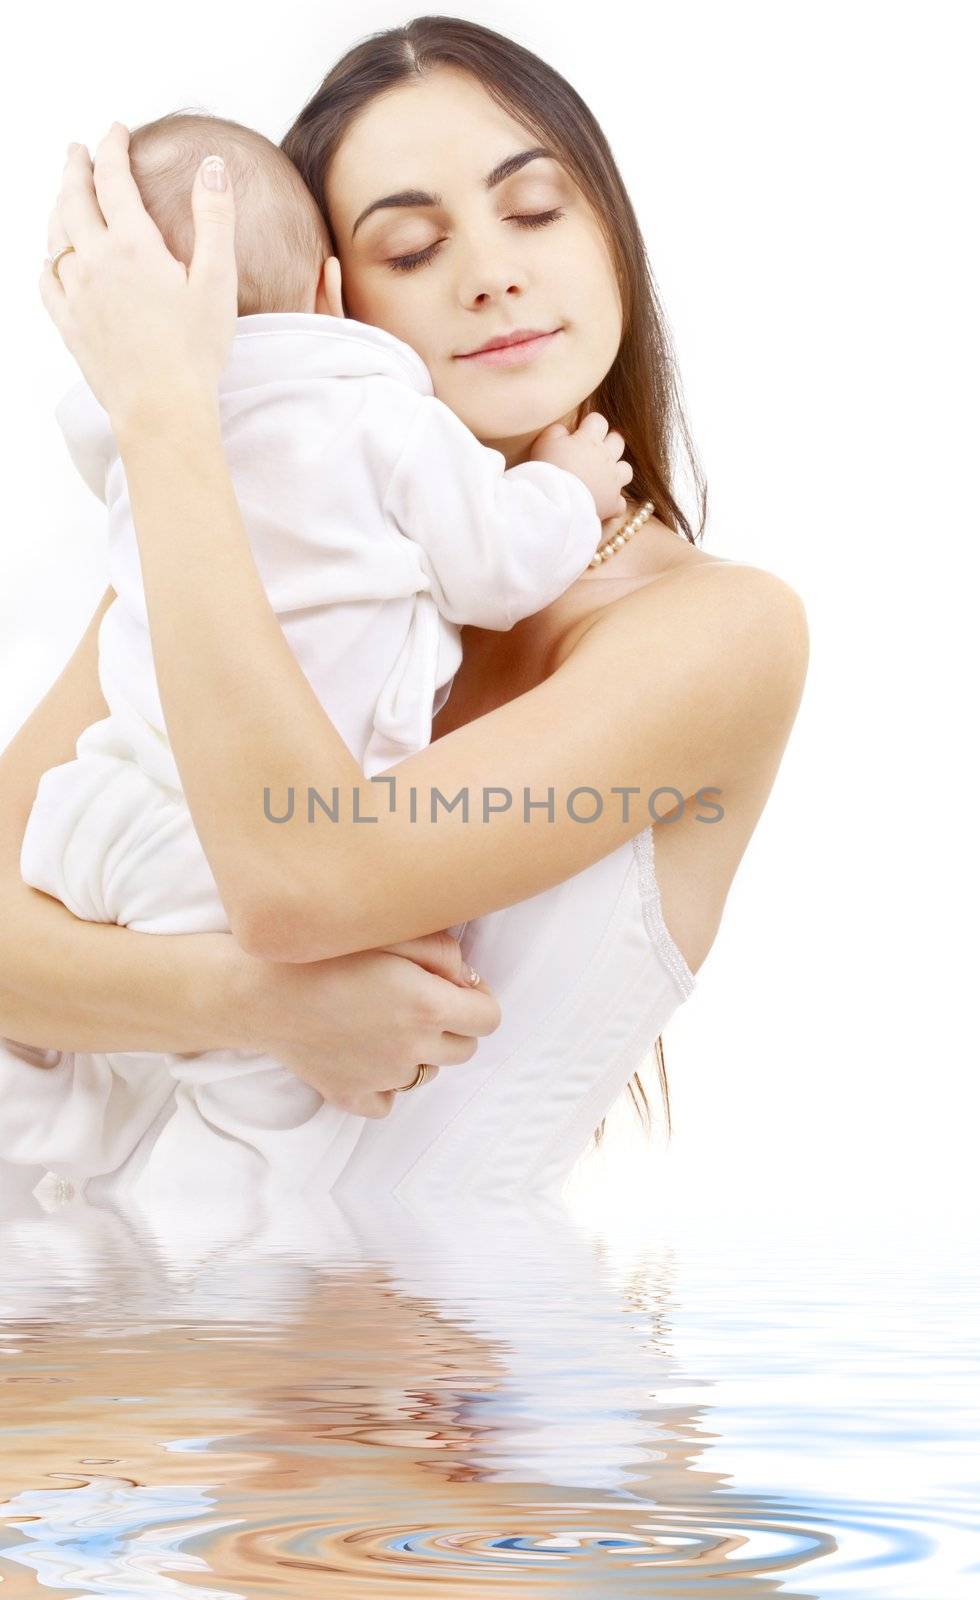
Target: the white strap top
pixel 587 975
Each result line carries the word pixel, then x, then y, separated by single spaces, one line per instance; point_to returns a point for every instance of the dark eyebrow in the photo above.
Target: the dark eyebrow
pixel 418 197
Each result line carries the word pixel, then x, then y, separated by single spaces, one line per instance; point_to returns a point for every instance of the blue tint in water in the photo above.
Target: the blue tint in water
pixel 349 1401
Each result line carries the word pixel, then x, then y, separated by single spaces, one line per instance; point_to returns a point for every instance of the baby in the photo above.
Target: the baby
pixel 379 526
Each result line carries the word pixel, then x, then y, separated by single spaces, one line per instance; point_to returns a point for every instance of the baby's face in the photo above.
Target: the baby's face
pixel 447 262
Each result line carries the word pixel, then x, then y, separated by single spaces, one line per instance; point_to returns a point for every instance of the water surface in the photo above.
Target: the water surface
pixel 507 1400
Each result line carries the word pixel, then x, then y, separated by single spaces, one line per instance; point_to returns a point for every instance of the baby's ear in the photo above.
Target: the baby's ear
pixel 329 299
pixel 331 274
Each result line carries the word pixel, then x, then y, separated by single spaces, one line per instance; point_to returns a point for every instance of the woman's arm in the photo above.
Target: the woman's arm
pixel 73 985
pixel 70 985
pixel 678 685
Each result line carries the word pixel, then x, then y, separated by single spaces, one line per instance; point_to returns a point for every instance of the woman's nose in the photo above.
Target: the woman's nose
pixel 485 295
pixel 483 281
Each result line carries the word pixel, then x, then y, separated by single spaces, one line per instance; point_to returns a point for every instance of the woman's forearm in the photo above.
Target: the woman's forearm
pixel 242 719
pixel 72 985
pixel 241 716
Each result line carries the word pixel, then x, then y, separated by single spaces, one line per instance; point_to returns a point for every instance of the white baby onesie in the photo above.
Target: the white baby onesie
pixel 379 525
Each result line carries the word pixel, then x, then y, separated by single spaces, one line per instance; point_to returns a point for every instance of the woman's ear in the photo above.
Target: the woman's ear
pixel 329 299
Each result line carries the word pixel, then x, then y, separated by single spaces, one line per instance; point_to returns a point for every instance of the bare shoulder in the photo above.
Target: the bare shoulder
pixel 643 579
pixel 701 662
pixel 739 632
pixel 709 591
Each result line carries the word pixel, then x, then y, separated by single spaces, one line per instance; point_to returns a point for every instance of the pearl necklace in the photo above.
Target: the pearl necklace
pixel 623 536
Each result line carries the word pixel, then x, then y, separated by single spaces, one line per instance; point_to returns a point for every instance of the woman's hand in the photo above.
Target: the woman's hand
pixel 356 1026
pixel 143 327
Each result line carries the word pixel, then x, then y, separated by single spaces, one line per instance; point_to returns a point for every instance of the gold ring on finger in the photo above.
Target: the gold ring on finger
pixel 422 1074
pixel 65 250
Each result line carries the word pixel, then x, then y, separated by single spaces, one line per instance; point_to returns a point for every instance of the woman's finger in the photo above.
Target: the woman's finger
pixel 57 240
pixel 78 207
pixel 34 1055
pixel 54 299
pixel 374 1105
pixel 57 237
pixel 213 265
pixel 115 187
pixel 451 1049
pixel 380 1103
pixel 471 1011
pixel 409 1075
pixel 436 952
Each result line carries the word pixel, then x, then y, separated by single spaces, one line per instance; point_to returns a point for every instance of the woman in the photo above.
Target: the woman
pixel 663 668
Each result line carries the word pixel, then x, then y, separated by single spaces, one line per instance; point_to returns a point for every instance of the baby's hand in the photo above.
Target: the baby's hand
pixel 593 453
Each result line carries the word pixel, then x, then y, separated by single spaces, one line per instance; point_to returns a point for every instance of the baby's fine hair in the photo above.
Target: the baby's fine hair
pixel 280 235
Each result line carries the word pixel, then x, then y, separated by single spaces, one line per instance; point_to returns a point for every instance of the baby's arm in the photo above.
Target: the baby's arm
pixel 499 543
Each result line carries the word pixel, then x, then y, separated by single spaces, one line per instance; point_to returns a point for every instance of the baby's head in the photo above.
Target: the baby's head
pixel 281 239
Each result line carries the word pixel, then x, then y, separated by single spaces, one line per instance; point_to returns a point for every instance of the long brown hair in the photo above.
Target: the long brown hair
pixel 641 392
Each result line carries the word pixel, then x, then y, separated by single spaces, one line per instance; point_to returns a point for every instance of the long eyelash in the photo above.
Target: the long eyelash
pixel 407 263
pixel 538 219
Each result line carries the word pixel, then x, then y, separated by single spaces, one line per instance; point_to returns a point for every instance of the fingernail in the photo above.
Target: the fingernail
pixel 213 172
pixel 71 147
pixel 471 974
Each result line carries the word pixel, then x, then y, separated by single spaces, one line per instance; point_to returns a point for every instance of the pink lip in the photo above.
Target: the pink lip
pixel 522 346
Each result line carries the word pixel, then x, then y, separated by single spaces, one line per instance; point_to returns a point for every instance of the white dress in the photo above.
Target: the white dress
pixel 587 975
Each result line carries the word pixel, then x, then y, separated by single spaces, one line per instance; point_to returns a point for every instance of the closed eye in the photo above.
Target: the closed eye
pixel 538 219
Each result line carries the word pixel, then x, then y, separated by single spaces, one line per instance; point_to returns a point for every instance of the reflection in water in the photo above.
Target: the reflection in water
pixel 458 1404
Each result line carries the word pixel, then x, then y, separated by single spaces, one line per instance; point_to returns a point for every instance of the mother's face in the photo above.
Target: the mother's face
pixel 455 263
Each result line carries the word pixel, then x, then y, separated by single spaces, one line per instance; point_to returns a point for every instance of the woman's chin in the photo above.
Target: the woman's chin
pixel 497 427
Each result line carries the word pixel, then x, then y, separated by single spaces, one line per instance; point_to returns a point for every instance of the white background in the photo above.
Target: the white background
pixel 806 179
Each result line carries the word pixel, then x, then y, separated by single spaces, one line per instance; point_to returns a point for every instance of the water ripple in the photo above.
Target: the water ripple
pixel 419 1402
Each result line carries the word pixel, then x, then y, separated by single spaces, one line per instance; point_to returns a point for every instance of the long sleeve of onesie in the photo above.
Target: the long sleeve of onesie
pixel 497 543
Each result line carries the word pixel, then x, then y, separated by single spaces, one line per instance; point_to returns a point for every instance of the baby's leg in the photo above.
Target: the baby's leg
pixel 80 1117
pixel 114 846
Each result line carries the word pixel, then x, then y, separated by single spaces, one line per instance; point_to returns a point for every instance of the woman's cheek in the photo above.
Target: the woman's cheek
pixel 358 298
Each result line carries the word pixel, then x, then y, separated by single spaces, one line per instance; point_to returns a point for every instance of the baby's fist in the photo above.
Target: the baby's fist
pixel 593 454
